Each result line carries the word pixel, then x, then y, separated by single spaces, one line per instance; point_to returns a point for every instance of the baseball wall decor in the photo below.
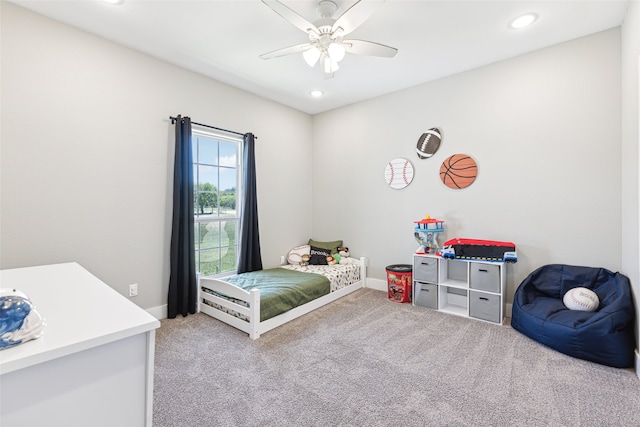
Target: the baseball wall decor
pixel 582 299
pixel 428 143
pixel 398 173
pixel 458 171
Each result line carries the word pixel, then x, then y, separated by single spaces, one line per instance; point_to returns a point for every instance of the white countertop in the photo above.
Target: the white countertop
pixel 81 312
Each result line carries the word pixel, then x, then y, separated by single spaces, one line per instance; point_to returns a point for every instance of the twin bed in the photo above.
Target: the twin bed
pixel 259 301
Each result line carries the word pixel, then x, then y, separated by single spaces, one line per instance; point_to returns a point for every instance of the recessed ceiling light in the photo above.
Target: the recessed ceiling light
pixel 113 1
pixel 316 93
pixel 523 21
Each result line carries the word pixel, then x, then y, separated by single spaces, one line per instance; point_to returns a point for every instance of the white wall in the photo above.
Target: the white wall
pixel 544 129
pixel 86 157
pixel 630 141
pixel 87 154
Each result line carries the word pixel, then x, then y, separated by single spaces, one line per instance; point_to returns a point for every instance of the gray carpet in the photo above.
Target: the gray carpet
pixel 366 361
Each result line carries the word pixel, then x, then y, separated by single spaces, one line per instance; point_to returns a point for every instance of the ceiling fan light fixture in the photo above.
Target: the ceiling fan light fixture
pixel 316 93
pixel 523 21
pixel 325 35
pixel 330 66
pixel 311 56
pixel 336 52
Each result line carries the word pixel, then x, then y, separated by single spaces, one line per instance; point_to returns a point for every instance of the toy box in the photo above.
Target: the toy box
pixel 399 277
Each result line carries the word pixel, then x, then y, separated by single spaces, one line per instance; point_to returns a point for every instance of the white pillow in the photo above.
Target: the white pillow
pixel 583 299
pixel 295 254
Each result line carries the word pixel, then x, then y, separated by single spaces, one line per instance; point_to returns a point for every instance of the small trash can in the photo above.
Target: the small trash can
pixel 399 277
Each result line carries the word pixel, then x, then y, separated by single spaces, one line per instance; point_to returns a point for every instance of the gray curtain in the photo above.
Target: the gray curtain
pixel 183 286
pixel 249 258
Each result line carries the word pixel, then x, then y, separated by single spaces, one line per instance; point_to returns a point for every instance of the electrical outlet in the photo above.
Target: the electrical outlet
pixel 281 259
pixel 133 290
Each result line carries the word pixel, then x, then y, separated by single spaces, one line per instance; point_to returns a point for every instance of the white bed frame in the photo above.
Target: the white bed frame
pixel 254 327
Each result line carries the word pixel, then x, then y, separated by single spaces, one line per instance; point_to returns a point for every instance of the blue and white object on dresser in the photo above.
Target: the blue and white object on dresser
pixel 19 319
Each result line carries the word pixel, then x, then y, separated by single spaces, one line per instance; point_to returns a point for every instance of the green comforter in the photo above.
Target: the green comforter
pixel 282 289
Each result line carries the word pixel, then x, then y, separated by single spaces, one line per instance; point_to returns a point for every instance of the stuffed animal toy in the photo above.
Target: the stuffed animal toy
pixel 344 255
pixel 304 259
pixel 330 260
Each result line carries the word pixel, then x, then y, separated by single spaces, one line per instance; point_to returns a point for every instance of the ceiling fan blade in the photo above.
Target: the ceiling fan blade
pixel 355 16
pixel 291 16
pixel 362 47
pixel 287 51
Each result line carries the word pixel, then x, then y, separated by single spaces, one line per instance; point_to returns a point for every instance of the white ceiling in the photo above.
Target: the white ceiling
pixel 222 39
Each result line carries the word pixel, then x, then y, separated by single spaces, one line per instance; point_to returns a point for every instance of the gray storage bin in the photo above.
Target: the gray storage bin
pixel 485 277
pixel 425 295
pixel 425 269
pixel 484 306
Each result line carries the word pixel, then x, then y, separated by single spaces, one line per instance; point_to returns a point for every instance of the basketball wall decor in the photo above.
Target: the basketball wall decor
pixel 428 143
pixel 458 171
pixel 398 173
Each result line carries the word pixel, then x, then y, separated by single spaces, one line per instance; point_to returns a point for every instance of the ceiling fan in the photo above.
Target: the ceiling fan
pixel 326 35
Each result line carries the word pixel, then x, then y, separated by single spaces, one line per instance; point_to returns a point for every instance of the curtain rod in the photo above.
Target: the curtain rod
pixel 173 121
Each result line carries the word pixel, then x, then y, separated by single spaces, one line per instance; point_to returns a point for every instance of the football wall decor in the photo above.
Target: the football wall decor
pixel 398 173
pixel 458 171
pixel 428 143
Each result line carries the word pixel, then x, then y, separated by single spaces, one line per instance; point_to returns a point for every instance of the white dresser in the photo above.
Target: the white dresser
pixel 94 364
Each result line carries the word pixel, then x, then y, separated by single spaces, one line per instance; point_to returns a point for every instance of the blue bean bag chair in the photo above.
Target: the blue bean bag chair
pixel 603 336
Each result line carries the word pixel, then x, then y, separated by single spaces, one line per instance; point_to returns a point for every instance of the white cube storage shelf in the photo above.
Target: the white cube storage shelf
pixel 467 288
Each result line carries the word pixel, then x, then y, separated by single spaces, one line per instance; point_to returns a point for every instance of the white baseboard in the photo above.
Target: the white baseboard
pixel 377 284
pixel 637 363
pixel 508 308
pixel 160 312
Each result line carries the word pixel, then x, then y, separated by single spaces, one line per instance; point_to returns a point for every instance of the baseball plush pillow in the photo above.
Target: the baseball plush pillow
pixel 582 299
pixel 295 254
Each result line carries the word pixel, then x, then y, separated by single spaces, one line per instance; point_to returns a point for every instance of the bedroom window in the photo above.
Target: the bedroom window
pixel 217 172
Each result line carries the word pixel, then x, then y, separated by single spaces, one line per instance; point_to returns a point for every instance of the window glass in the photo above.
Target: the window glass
pixel 216 188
